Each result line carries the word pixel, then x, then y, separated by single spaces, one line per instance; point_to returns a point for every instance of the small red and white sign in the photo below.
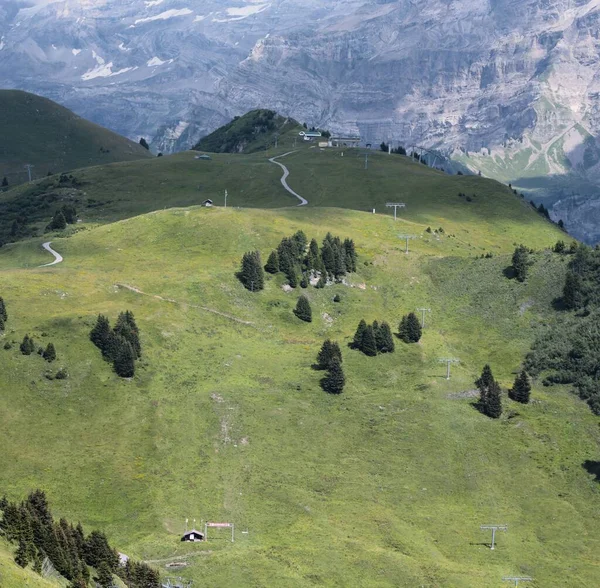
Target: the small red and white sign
pixel 219 524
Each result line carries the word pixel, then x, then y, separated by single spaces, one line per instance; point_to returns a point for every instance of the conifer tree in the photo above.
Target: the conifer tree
pixel 322 281
pixel 22 554
pixel 27 346
pixel 328 257
pixel 104 575
pixel 520 262
pixel 2 325
pixel 251 274
pixel 272 265
pixel 385 339
pixel 303 310
pixel 58 222
pixel 486 379
pixel 335 380
pixel 3 313
pixel 493 403
pixel 300 241
pixel 70 214
pixel 124 362
pixel 49 353
pixel 313 256
pixel 127 328
pixel 304 281
pixel 329 350
pixel 292 280
pixel 410 328
pixel 573 297
pixel 368 345
pixel 5 182
pixel 351 257
pixel 521 389
pixel 358 336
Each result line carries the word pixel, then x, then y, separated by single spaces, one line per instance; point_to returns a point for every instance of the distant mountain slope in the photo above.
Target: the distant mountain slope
pixel 50 137
pixel 255 131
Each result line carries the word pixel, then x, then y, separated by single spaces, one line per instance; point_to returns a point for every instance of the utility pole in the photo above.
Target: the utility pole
pixel 517 579
pixel 449 362
pixel 28 167
pixel 423 311
pixel 395 206
pixel 494 528
pixel 408 238
pixel 226 198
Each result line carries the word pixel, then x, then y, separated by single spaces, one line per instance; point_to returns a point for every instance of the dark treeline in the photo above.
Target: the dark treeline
pixel 568 350
pixel 120 345
pixel 31 526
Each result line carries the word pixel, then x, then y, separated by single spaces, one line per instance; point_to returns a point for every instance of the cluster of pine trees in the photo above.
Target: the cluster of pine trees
pixel 120 345
pixel 66 215
pixel 490 392
pixel 329 359
pixel 28 347
pixel 3 314
pixel 373 339
pixel 31 526
pixel 333 260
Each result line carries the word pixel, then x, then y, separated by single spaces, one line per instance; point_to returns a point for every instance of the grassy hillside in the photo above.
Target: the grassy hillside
pixel 385 485
pixel 255 131
pixel 38 131
pixel 323 177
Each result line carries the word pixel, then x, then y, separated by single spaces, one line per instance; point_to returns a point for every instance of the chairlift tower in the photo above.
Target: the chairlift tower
pixel 396 206
pixel 448 361
pixel 408 238
pixel 423 311
pixel 494 528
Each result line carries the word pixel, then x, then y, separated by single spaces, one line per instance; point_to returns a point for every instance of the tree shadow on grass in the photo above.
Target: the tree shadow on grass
pixel 509 272
pixel 592 467
pixel 558 304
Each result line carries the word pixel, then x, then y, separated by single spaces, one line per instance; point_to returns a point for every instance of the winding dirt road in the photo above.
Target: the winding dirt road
pixel 58 258
pixel 286 173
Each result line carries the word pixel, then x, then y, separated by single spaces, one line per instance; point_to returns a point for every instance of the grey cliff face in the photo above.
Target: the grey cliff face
pixel 508 87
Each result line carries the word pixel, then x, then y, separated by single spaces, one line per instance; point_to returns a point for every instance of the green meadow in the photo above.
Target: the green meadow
pixel 384 485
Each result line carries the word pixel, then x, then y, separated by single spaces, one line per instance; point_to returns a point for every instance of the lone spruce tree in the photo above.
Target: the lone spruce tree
pixel 369 345
pixel 329 351
pixel 521 389
pixel 520 263
pixel 251 273
pixel 335 380
pixel 493 404
pixel 490 401
pixel 272 265
pixel 303 310
pixel 49 353
pixel 410 328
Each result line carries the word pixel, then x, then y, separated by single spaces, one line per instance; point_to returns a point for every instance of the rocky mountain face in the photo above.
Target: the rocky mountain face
pixel 508 87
